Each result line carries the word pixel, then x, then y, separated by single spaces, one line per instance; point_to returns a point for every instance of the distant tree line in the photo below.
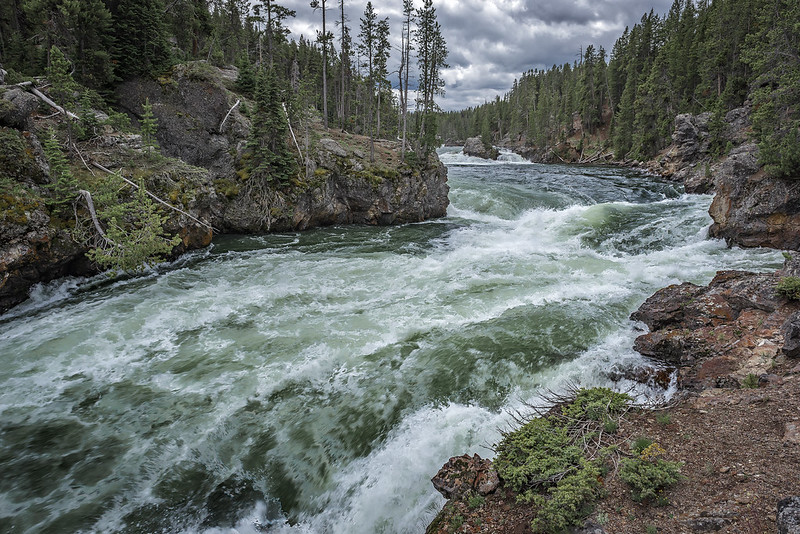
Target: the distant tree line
pixel 702 56
pixel 108 41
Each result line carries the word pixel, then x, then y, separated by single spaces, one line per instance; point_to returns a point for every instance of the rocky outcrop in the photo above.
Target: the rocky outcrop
pixel 341 186
pixel 16 106
pixel 717 335
pixel 31 248
pixel 752 209
pixel 206 177
pixel 464 476
pixel 474 147
pixel 190 105
pixel 689 159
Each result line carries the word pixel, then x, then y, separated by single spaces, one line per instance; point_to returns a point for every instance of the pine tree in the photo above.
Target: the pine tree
pixel 405 65
pixel 63 183
pixel 773 54
pixel 324 38
pixel 63 88
pixel 346 52
pixel 141 47
pixel 382 49
pixel 271 160
pixel 431 60
pixel 246 80
pixel 149 128
pixel 134 234
pixel 368 36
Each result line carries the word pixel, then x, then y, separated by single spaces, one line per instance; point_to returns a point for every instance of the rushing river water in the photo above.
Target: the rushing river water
pixel 314 382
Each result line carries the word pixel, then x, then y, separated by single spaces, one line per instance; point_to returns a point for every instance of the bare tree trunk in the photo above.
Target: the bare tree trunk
pixel 324 69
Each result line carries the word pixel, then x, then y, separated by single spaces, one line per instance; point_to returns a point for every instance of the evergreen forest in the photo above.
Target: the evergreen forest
pixel 342 72
pixel 702 56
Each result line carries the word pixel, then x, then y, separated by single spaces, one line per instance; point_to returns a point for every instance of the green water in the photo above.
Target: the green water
pixel 315 382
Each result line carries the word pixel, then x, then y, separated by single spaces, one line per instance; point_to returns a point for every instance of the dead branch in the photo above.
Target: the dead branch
pixel 52 104
pixel 151 195
pixel 228 115
pixel 292 131
pixel 87 196
pixel 75 147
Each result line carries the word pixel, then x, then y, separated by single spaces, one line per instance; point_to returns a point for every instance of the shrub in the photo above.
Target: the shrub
pixel 648 474
pixel 597 404
pixel 789 287
pixel 750 381
pixel 536 456
pixel 640 444
pixel 663 419
pixel 546 464
pixel 476 501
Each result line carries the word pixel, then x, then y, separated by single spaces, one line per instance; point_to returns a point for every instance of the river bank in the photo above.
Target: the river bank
pixel 199 175
pixel 735 333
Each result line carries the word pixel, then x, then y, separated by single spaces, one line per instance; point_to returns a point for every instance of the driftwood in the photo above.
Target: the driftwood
pixel 151 195
pixel 228 115
pixel 78 152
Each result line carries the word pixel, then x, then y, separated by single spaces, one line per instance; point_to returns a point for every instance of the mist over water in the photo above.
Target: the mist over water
pixel 314 382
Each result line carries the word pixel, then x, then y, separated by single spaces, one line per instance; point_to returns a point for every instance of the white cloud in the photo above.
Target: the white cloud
pixel 492 42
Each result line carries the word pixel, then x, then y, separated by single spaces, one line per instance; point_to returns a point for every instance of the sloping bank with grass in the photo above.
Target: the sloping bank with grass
pixel 180 160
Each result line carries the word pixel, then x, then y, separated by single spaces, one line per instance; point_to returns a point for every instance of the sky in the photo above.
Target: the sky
pixel 492 42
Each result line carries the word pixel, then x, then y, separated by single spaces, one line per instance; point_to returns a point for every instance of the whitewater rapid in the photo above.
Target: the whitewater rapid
pixel 314 382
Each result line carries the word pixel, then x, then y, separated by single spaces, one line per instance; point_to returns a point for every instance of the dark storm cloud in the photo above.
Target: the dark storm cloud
pixel 492 42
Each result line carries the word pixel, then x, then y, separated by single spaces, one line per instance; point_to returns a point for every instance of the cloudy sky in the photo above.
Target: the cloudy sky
pixel 492 42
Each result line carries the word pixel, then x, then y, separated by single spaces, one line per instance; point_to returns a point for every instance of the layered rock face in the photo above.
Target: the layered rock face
pixel 750 209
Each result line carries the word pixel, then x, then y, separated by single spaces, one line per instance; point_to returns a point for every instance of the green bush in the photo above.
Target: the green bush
pixel 596 404
pixel 750 381
pixel 664 419
pixel 640 444
pixel 545 462
pixel 476 501
pixel 789 287
pixel 535 457
pixel 648 474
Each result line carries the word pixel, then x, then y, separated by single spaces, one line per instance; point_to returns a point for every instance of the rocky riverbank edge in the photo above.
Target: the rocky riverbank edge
pixel 200 172
pixel 734 347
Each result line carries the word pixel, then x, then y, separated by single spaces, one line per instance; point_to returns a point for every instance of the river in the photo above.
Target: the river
pixel 314 382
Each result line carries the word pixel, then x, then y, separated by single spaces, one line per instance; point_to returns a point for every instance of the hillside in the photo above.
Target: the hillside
pixel 196 162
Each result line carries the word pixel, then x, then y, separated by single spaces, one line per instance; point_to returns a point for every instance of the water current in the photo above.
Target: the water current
pixel 314 382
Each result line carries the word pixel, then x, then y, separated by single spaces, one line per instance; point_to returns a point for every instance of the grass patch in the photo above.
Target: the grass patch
pixel 789 287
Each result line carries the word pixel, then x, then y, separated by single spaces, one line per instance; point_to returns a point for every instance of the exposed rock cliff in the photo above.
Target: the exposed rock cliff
pixel 750 209
pixel 719 334
pixel 204 176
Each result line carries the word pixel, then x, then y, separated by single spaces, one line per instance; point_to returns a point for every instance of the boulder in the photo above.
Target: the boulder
pixel 718 334
pixel 474 147
pixel 752 209
pixel 791 336
pixel 190 106
pixel 464 475
pixel 789 516
pixel 16 107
